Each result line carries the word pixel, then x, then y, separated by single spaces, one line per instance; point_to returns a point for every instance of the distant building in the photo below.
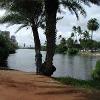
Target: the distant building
pixel 24 45
pixel 13 39
pixel 7 35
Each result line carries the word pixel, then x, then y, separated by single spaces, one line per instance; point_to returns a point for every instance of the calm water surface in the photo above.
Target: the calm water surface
pixel 79 67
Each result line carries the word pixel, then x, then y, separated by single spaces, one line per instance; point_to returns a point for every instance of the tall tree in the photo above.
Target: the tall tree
pixel 25 13
pixel 86 40
pixel 50 12
pixel 51 8
pixel 75 32
pixel 80 32
pixel 92 25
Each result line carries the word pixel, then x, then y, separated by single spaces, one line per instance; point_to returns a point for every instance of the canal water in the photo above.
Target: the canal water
pixel 79 67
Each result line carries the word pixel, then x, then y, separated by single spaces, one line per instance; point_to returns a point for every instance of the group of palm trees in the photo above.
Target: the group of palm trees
pixel 85 36
pixel 80 39
pixel 41 13
pixel 92 25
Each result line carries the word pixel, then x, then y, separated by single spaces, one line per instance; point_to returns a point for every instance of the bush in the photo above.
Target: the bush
pixel 6 47
pixel 73 51
pixel 96 71
pixel 61 49
pixel 3 53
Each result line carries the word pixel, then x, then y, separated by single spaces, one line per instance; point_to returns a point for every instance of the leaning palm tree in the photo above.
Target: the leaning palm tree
pixel 92 25
pixel 26 13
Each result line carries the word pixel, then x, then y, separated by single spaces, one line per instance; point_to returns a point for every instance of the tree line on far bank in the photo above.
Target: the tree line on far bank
pixel 79 39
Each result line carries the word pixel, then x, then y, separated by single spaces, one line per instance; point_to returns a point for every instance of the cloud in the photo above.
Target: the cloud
pixel 2 12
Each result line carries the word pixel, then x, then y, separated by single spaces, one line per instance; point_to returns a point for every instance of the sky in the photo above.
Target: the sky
pixel 64 26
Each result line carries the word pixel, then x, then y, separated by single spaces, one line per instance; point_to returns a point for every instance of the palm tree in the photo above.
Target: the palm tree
pixel 26 13
pixel 86 39
pixel 86 35
pixel 51 8
pixel 80 32
pixel 92 25
pixel 75 32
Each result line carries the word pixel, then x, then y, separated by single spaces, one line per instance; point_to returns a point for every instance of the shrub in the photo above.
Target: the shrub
pixel 73 51
pixel 6 47
pixel 96 71
pixel 61 49
pixel 3 53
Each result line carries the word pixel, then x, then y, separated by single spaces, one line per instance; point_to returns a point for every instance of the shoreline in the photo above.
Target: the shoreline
pixel 87 53
pixel 17 85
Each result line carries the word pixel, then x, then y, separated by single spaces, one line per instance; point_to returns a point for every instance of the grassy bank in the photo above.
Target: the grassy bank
pixel 87 84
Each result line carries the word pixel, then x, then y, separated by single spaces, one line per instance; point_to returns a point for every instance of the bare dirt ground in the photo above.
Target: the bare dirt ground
pixel 15 85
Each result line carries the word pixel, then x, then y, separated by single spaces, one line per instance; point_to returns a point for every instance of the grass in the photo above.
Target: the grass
pixel 87 84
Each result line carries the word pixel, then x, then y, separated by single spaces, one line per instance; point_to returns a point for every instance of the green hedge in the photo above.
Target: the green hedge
pixel 3 53
pixel 6 47
pixel 73 51
pixel 96 71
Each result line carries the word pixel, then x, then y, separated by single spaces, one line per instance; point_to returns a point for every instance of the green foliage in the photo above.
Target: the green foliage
pixel 43 48
pixel 23 12
pixel 88 84
pixel 3 48
pixel 70 42
pixel 93 24
pixel 6 47
pixel 86 44
pixel 3 53
pixel 79 40
pixel 96 71
pixel 73 51
pixel 62 47
pixel 74 7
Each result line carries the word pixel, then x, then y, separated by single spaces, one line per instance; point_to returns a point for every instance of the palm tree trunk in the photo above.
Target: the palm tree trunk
pixel 38 56
pixel 92 35
pixel 92 41
pixel 51 7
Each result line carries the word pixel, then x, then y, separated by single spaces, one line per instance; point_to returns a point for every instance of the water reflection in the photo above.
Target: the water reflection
pixel 79 67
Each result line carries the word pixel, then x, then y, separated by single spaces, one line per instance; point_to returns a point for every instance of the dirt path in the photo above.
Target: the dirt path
pixel 15 85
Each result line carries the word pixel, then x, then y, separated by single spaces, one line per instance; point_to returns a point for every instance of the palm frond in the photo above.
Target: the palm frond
pixel 12 19
pixel 58 18
pixel 97 2
pixel 74 7
pixel 22 26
